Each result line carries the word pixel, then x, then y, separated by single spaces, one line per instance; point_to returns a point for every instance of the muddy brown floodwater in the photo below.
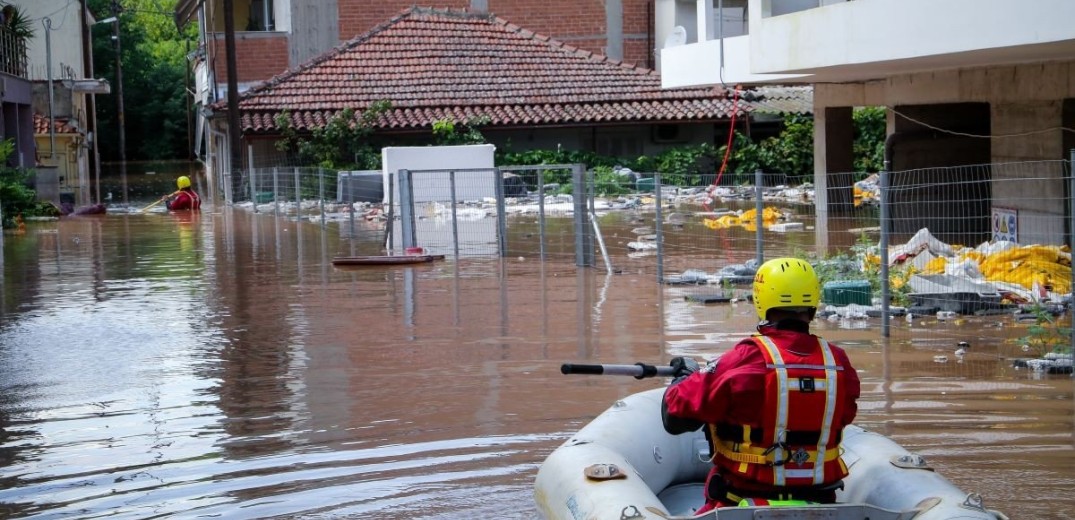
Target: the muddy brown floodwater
pixel 220 366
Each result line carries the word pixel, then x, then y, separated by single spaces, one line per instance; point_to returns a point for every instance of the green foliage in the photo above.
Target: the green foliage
pixel 154 66
pixel 682 166
pixel 1045 335
pixel 16 197
pixel 862 262
pixel 16 21
pixel 344 143
pixel 791 152
pixel 562 177
pixel 448 132
pixel 869 145
pixel 609 183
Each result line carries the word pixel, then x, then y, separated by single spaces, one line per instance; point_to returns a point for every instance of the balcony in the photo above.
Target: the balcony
pixel 12 54
pixel 832 41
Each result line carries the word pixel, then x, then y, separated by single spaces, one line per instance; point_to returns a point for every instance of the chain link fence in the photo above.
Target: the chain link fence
pixel 942 244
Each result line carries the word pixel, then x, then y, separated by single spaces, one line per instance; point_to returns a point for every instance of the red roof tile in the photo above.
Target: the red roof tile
pixel 61 124
pixel 433 64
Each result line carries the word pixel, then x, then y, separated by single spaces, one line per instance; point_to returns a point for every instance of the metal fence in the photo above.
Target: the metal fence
pixel 713 233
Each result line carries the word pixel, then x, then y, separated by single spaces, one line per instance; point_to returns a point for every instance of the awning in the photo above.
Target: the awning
pixel 89 86
pixel 184 10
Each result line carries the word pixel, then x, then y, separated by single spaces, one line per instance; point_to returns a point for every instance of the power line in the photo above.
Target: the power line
pixel 979 136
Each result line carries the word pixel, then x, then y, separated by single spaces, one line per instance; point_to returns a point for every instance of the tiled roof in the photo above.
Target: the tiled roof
pixel 776 99
pixel 435 64
pixel 61 124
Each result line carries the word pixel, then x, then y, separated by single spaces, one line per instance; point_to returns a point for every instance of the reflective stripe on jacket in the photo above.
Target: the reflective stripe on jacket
pixel 798 444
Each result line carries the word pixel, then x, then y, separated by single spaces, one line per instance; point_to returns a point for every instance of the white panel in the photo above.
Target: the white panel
pixel 414 158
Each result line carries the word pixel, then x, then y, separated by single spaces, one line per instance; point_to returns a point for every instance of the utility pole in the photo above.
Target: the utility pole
pixel 234 131
pixel 119 101
pixel 87 60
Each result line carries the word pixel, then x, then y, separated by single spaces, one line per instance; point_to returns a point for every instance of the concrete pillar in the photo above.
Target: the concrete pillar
pixel 833 167
pixel 840 158
pixel 664 20
pixel 705 20
pixel 614 29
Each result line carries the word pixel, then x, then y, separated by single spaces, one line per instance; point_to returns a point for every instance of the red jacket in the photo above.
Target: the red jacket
pixel 186 199
pixel 732 392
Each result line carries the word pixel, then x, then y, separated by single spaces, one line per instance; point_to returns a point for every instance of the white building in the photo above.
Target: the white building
pixel 972 67
pixel 59 53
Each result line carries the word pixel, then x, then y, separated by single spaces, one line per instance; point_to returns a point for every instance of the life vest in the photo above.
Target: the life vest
pixel 193 202
pixel 799 444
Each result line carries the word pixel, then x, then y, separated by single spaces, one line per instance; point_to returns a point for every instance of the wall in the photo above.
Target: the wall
pixel 1025 104
pixel 314 27
pixel 66 37
pixel 259 56
pixel 583 23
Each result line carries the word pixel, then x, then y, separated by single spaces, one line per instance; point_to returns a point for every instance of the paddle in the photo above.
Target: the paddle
pixel 162 199
pixel 638 370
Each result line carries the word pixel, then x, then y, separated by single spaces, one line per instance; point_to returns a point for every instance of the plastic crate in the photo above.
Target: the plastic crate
pixel 847 292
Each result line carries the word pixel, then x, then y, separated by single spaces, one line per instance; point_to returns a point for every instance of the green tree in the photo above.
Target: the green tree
pixel 154 65
pixel 869 147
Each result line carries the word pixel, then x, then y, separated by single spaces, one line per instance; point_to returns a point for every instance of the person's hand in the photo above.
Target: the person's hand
pixel 683 366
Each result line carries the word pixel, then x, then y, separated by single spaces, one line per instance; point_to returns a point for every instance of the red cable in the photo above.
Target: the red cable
pixel 728 148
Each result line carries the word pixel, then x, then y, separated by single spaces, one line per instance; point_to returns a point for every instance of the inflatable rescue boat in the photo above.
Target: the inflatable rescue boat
pixel 624 466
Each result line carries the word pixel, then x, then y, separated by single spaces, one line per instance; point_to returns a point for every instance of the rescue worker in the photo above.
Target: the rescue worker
pixel 775 406
pixel 183 199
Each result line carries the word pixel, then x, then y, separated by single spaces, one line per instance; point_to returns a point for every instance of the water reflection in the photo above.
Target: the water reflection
pixel 159 365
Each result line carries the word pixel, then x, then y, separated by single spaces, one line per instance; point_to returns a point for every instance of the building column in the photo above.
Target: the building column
pixel 614 29
pixel 833 169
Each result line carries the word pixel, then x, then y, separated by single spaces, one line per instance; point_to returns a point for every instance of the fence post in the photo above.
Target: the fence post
pixel 1071 238
pixel 658 224
pixel 298 195
pixel 541 213
pixel 275 191
pixel 501 218
pixel 886 315
pixel 254 189
pixel 406 210
pixel 583 255
pixel 455 218
pixel 390 222
pixel 321 192
pixel 759 220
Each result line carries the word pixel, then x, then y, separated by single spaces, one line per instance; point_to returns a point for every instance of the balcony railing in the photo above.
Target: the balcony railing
pixel 12 53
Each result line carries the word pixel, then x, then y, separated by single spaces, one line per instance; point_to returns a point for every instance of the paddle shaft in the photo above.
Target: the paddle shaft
pixel 162 199
pixel 637 370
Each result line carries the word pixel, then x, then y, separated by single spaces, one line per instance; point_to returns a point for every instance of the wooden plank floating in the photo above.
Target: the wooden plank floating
pixel 386 259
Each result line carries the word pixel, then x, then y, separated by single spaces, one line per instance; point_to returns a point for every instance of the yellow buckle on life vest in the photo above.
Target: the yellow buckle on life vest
pixel 752 455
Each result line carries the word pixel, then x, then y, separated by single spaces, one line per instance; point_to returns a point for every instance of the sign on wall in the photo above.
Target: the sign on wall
pixel 1005 224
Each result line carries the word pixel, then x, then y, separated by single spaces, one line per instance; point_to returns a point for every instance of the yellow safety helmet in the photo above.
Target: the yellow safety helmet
pixel 788 283
pixel 183 182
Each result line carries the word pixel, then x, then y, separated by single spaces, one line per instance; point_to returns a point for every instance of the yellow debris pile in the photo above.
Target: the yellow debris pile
pixel 746 219
pixel 1032 272
pixel 1034 267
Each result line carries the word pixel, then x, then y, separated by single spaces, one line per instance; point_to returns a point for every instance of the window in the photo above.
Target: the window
pixel 261 16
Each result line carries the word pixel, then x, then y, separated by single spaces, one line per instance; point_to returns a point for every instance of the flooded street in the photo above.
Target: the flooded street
pixel 153 365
